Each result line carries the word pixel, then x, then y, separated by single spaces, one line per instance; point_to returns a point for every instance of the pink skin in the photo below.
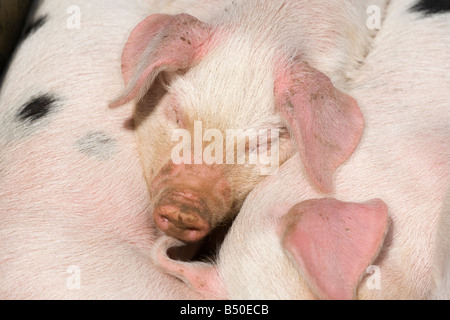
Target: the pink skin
pixel 190 200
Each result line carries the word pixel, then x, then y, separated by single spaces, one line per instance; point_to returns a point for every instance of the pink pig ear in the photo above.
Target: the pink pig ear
pixel 200 277
pixel 327 124
pixel 160 43
pixel 333 242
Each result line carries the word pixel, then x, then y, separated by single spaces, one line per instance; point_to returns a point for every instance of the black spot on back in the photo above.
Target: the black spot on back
pixel 37 108
pixel 432 6
pixel 33 27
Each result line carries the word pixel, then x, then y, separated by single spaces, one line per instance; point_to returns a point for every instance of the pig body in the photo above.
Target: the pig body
pixel 74 210
pixel 402 158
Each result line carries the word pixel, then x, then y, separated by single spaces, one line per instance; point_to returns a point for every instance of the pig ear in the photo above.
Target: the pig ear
pixel 160 43
pixel 200 277
pixel 327 124
pixel 333 242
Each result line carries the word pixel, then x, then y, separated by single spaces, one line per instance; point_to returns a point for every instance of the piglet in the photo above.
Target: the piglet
pixel 261 65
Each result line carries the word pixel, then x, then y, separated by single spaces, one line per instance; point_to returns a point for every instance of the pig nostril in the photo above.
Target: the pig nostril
pixel 181 221
pixel 180 218
pixel 168 220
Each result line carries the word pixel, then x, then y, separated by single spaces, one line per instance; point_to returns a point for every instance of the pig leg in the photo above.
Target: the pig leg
pixel 200 277
pixel 333 242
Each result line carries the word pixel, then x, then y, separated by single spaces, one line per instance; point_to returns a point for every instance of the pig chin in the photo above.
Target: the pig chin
pixel 188 206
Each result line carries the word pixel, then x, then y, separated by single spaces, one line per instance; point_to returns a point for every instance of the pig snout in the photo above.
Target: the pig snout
pixel 190 200
pixel 182 216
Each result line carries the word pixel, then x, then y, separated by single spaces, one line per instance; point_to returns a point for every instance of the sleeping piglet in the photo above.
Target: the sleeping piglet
pixel 250 65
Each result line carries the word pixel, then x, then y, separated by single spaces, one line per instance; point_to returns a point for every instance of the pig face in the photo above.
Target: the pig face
pixel 227 124
pixel 202 90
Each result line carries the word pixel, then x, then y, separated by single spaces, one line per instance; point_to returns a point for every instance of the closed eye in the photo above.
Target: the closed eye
pixel 175 115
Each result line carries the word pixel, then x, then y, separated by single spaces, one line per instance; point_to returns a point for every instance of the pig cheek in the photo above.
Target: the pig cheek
pixel 221 198
pixel 156 162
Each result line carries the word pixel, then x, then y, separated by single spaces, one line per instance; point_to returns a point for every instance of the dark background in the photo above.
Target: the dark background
pixel 13 14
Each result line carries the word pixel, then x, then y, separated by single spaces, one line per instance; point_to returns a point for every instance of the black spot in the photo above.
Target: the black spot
pixel 432 6
pixel 33 27
pixel 37 108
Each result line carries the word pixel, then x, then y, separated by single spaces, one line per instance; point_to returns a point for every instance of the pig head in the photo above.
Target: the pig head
pixel 190 77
